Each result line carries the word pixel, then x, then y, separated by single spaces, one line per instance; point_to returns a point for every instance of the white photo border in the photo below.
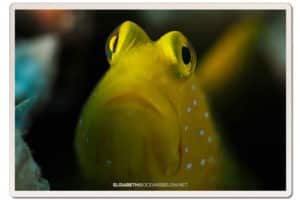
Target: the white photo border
pixel 158 194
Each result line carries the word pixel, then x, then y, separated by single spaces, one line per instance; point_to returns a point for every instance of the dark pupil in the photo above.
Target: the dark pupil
pixel 115 43
pixel 186 56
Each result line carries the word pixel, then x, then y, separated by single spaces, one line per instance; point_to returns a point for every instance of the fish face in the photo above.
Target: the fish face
pixel 139 65
pixel 133 127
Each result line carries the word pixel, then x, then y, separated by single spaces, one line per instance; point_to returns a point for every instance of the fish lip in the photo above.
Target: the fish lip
pixel 136 98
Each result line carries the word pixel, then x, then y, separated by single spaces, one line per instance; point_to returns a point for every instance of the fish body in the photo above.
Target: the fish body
pixel 148 120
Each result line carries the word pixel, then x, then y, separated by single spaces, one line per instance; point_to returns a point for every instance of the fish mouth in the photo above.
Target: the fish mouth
pixel 134 98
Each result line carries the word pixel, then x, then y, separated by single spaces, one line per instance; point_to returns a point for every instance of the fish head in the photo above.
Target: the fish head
pixel 132 124
pixel 152 73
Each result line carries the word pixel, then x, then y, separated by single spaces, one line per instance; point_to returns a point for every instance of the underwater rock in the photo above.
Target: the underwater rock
pixel 28 173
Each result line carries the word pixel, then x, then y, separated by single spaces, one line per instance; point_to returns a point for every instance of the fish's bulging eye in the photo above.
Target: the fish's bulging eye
pixel 186 55
pixel 112 44
pixel 187 60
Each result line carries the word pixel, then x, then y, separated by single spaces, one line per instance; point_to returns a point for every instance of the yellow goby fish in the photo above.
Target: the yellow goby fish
pixel 148 119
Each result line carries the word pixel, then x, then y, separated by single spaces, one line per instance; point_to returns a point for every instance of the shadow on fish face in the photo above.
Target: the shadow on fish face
pixel 129 129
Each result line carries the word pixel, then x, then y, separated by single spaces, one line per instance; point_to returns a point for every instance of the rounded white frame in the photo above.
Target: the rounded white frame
pixel 159 194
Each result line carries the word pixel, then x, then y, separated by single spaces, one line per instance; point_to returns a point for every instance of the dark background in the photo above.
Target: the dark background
pixel 251 114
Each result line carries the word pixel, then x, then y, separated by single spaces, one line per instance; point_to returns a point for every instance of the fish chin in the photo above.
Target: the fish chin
pixel 131 139
pixel 155 125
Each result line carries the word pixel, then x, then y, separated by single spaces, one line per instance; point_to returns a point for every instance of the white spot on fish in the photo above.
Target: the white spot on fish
pixel 202 162
pixel 186 128
pixel 195 102
pixel 206 115
pixel 209 139
pixel 188 109
pixel 189 165
pixel 186 149
pixel 201 132
pixel 193 87
pixel 108 162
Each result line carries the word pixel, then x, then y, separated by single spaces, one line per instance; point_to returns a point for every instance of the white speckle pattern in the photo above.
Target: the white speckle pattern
pixel 206 115
pixel 201 132
pixel 186 149
pixel 194 87
pixel 195 102
pixel 202 162
pixel 189 165
pixel 186 128
pixel 188 109
pixel 108 162
pixel 209 139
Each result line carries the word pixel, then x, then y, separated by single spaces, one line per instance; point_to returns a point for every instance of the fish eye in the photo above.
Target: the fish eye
pixel 187 58
pixel 186 55
pixel 112 44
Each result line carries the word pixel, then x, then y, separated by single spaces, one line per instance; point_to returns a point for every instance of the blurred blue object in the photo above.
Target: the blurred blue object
pixel 273 46
pixel 34 71
pixel 28 74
